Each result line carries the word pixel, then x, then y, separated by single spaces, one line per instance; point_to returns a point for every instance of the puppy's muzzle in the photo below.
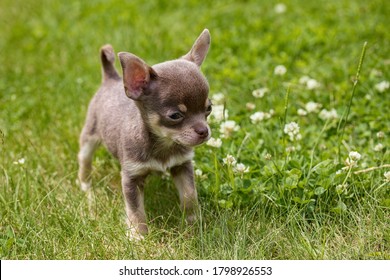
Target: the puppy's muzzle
pixel 202 131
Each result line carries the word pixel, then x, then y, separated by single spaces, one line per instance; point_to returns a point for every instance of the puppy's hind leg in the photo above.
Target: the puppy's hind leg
pixel 88 146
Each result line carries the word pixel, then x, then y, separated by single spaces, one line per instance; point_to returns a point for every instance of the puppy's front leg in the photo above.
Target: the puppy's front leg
pixel 133 192
pixel 183 176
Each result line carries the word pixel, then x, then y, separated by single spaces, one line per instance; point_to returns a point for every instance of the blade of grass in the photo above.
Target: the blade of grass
pixel 342 124
pixel 285 121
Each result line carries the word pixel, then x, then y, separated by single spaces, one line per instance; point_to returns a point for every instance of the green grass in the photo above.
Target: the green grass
pixel 290 205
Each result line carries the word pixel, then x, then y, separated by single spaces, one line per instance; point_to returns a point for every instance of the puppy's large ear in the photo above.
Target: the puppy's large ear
pixel 136 74
pixel 200 48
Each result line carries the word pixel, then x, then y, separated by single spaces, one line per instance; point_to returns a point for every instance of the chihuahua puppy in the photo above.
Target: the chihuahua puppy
pixel 150 120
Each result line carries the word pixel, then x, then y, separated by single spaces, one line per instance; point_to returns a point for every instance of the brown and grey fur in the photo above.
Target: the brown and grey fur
pixel 150 120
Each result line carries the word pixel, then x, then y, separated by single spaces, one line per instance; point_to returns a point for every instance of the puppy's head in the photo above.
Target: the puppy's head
pixel 173 95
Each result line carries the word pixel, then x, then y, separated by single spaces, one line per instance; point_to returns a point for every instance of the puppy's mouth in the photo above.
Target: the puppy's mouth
pixel 189 137
pixel 193 138
pixel 190 143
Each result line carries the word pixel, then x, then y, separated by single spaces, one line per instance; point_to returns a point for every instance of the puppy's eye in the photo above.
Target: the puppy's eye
pixel 208 110
pixel 176 116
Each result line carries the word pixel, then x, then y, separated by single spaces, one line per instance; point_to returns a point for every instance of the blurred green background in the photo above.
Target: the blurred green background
pixel 50 69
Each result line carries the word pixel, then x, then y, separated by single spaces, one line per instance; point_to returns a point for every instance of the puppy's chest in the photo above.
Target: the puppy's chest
pixel 143 168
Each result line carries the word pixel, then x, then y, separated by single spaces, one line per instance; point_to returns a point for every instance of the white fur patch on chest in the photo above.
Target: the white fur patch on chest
pixel 141 168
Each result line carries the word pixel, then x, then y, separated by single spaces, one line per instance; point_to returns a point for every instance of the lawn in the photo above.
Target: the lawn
pixel 299 163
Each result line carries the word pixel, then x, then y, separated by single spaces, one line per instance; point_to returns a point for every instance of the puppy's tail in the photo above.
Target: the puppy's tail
pixel 107 56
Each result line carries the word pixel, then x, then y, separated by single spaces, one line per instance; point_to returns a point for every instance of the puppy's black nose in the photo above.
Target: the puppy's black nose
pixel 202 131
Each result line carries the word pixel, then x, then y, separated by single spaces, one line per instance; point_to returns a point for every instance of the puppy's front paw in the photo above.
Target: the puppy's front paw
pixel 134 235
pixel 85 186
pixel 191 219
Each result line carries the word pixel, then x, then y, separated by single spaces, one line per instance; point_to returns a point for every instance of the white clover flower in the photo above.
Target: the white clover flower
pixel 352 159
pixel 20 161
pixel 216 143
pixel 257 117
pixel 295 137
pixel 219 113
pixel 240 168
pixel 303 80
pixel 355 156
pixel 230 160
pixel 387 176
pixel 376 73
pixel 301 112
pixel 291 128
pixel 260 92
pixel 312 107
pixel 260 142
pixel 312 84
pixel 199 174
pixel 280 8
pixel 290 149
pixel 271 112
pixel 268 156
pixel 218 98
pixel 227 128
pixel 250 106
pixel 280 70
pixel 260 116
pixel 350 163
pixel 340 171
pixel 379 147
pixel 341 188
pixel 382 86
pixel 328 115
pixel 380 135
